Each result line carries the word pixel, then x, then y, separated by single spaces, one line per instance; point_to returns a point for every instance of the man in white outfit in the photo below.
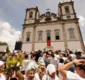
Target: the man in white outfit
pixel 51 73
pixel 30 71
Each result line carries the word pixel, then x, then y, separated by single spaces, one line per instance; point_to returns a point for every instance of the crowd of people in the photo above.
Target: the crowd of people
pixel 43 65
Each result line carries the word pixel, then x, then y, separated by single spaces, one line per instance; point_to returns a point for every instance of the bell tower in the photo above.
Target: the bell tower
pixel 66 10
pixel 32 14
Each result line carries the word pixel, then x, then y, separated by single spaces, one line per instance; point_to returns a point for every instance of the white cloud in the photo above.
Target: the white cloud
pixel 82 21
pixel 8 34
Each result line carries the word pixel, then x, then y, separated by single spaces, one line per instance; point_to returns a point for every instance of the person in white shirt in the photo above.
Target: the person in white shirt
pixel 53 60
pixel 25 62
pixel 79 70
pixel 51 73
pixel 30 74
pixel 2 76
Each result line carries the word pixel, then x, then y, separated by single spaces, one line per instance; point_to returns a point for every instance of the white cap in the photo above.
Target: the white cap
pixel 1 63
pixel 31 65
pixel 51 69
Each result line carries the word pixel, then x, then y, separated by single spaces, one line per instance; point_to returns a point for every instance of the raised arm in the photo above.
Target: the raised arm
pixel 65 67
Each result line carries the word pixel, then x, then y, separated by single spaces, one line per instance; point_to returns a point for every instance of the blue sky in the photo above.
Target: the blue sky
pixel 12 13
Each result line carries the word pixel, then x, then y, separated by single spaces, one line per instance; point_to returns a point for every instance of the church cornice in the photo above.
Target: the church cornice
pixel 68 14
pixel 54 22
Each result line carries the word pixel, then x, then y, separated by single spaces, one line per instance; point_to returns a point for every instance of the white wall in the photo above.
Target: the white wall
pixel 58 45
pixel 55 45
pixel 27 47
pixel 74 45
pixel 40 46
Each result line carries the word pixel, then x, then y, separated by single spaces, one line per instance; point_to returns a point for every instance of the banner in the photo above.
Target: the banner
pixel 48 43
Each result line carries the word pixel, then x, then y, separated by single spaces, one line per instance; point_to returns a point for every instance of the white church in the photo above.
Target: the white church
pixel 56 31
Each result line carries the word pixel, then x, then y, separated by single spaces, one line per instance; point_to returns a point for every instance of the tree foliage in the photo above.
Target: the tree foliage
pixel 3 43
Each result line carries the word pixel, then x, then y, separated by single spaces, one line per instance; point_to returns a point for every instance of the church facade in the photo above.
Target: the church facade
pixel 52 31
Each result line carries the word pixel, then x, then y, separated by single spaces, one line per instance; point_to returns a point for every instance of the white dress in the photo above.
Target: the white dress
pixel 47 77
pixel 73 76
pixel 36 76
pixel 2 77
pixel 25 64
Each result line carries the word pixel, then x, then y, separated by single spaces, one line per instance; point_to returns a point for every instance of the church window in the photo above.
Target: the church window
pixel 57 34
pixel 67 9
pixel 48 35
pixel 71 34
pixel 30 14
pixel 40 33
pixel 68 17
pixel 28 36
